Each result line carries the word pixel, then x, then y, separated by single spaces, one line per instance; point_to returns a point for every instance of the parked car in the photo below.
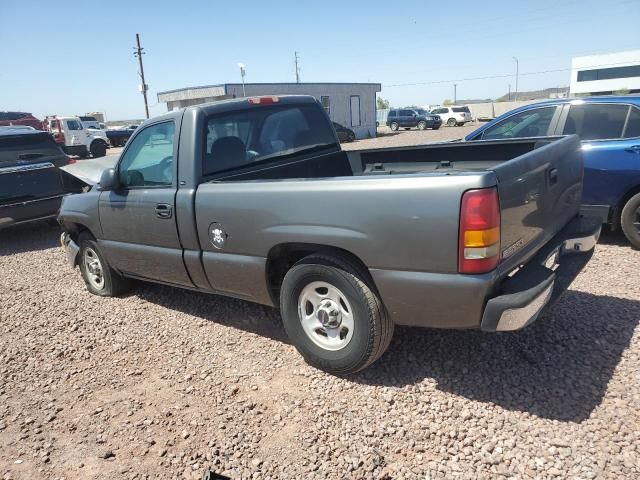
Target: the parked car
pixel 19 118
pixel 31 182
pixel 455 115
pixel 254 198
pixel 119 136
pixel 75 138
pixel 344 134
pixel 412 118
pixel 609 128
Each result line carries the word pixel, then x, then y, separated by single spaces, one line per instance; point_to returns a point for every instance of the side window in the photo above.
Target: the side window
pixel 406 113
pixel 530 123
pixel 393 113
pixel 149 158
pixel 238 139
pixel 595 121
pixel 633 124
pixel 73 125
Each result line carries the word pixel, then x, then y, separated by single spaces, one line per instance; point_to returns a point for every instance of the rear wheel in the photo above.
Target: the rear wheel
pixel 422 125
pixel 332 316
pixel 630 220
pixel 393 126
pixel 451 122
pixel 98 149
pixel 99 277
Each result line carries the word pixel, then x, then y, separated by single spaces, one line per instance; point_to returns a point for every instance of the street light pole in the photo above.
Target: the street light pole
pixel 517 66
pixel 455 87
pixel 243 72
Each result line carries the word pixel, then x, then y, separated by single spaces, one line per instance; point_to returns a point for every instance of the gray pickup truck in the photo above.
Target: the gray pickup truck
pixel 253 198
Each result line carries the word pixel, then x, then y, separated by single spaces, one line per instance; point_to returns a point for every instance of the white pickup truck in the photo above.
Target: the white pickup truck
pixel 75 138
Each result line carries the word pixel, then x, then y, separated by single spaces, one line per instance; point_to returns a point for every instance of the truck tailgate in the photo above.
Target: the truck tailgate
pixel 539 194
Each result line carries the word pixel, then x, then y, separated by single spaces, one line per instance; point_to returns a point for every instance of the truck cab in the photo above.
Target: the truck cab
pixel 75 138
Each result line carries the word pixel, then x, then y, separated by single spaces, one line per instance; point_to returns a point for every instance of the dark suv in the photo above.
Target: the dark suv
pixel 412 118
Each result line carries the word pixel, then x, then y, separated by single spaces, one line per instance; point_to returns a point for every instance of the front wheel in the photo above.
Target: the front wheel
pixel 630 220
pixel 99 277
pixel 332 316
pixel 422 125
pixel 98 149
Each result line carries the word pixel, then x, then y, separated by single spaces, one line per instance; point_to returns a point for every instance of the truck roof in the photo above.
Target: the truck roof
pixel 235 104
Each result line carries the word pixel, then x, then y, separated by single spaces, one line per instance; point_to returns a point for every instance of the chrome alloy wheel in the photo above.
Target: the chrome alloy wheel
pixel 93 267
pixel 326 316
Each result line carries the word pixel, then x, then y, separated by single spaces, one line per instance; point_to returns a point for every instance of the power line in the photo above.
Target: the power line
pixel 489 77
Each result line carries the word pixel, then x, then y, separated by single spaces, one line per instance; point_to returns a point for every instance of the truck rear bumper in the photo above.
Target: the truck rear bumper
pixel 523 296
pixel 486 301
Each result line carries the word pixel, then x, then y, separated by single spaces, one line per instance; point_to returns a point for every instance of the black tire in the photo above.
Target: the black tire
pixel 394 126
pixel 351 137
pixel 372 329
pixel 98 149
pixel 452 122
pixel 114 284
pixel 630 215
pixel 422 125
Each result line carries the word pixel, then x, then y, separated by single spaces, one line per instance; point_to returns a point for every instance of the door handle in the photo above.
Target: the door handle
pixel 164 210
pixel 553 176
pixel 633 149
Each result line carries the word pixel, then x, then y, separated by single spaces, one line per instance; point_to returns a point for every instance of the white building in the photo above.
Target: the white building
pixel 606 74
pixel 352 105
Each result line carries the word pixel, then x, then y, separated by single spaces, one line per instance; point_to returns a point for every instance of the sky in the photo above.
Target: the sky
pixel 72 57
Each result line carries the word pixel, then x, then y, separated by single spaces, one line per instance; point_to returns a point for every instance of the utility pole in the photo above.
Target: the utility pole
pixel 516 95
pixel 509 92
pixel 243 72
pixel 455 97
pixel 139 51
pixel 297 60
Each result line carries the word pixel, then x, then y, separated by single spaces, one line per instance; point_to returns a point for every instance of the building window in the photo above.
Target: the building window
pixel 609 73
pixel 326 104
pixel 355 110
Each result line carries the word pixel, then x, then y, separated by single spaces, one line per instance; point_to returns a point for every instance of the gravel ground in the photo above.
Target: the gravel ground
pixel 164 383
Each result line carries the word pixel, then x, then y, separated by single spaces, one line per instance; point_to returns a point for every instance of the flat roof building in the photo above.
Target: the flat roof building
pixel 352 105
pixel 606 74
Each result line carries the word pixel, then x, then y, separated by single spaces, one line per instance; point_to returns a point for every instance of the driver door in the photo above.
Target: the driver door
pixel 139 230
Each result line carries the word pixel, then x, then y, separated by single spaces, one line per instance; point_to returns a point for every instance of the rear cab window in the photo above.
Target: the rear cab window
pixel 260 134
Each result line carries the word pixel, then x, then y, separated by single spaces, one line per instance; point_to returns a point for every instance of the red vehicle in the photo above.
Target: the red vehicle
pixel 19 118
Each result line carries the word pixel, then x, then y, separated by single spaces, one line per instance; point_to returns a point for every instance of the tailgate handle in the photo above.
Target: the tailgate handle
pixel 553 176
pixel 163 210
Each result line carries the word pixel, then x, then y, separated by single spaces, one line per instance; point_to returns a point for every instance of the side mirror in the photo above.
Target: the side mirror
pixel 109 180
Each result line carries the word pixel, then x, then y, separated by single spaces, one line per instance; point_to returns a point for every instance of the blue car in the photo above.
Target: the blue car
pixel 609 128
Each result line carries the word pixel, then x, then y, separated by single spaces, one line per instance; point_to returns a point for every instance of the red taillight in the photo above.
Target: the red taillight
pixel 263 100
pixel 479 237
pixel 71 161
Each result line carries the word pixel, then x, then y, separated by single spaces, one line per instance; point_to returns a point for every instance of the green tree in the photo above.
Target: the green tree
pixel 446 102
pixel 382 103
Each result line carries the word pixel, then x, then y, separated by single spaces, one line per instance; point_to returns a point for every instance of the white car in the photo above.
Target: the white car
pixel 454 115
pixel 75 138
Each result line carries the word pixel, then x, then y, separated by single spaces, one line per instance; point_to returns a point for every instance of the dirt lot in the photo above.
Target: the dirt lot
pixel 164 383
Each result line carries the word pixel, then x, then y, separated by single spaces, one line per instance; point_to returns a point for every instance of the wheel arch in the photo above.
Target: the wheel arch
pixel 617 212
pixel 283 256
